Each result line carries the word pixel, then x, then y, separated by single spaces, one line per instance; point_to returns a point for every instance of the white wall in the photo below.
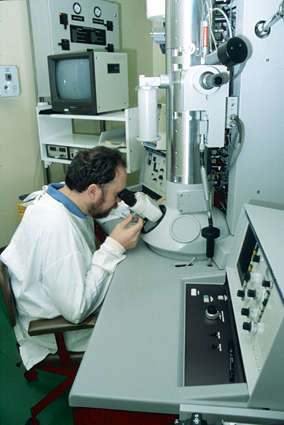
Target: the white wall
pixel 19 146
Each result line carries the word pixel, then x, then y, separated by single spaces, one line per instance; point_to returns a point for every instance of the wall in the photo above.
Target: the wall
pixel 20 167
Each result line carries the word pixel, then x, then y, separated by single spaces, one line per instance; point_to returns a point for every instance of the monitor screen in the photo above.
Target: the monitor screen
pixel 72 77
pixel 88 83
pixel 72 83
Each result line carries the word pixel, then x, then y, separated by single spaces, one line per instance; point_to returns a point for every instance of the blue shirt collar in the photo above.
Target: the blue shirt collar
pixel 54 193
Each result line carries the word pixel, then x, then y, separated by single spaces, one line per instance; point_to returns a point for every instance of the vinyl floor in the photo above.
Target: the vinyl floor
pixel 17 395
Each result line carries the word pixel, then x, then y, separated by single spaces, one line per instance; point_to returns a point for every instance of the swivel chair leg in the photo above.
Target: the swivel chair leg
pixel 32 421
pixel 54 394
pixel 30 375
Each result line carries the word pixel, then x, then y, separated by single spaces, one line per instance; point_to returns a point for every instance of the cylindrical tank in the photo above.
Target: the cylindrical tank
pixel 148 114
pixel 156 10
pixel 182 51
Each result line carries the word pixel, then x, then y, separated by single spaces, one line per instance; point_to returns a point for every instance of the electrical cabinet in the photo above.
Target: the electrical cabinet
pixel 59 143
pixel 62 26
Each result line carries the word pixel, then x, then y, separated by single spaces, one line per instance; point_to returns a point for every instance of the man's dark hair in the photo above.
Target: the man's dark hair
pixel 94 166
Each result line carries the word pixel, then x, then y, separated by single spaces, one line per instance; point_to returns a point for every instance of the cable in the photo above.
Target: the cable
pixel 34 188
pixel 209 8
pixel 240 137
pixel 226 17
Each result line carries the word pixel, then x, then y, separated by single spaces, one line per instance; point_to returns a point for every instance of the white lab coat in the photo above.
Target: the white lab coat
pixel 55 271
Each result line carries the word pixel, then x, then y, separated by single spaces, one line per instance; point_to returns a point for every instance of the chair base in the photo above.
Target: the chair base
pixel 70 376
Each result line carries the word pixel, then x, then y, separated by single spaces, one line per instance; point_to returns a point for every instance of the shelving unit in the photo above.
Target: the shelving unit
pixel 56 130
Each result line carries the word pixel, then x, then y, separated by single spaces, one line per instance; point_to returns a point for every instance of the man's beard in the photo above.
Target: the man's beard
pixel 96 211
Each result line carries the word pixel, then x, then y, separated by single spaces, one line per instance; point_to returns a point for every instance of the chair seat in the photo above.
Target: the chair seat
pixel 54 359
pixel 62 362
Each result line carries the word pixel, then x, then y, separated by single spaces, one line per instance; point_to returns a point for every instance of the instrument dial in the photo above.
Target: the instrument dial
pixel 77 8
pixel 97 11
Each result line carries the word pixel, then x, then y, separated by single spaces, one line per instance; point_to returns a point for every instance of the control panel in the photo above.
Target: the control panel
pixel 61 152
pixel 257 287
pixel 153 171
pixel 67 26
pixel 255 277
pixel 212 354
pixel 9 81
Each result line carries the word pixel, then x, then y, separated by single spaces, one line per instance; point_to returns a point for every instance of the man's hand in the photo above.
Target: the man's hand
pixel 161 200
pixel 129 237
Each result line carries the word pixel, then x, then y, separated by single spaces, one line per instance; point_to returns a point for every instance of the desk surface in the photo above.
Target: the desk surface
pixel 134 360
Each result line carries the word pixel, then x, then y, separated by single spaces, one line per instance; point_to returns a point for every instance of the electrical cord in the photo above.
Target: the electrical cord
pixel 231 163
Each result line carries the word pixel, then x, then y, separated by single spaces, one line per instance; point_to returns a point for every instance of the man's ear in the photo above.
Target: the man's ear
pixel 94 191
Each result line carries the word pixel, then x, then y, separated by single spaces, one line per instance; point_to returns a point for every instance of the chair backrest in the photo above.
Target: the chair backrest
pixel 7 292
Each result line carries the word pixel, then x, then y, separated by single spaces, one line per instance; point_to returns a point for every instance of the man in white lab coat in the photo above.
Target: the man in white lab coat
pixel 54 266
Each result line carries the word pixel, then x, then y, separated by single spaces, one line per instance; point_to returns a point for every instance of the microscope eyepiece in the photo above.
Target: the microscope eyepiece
pixel 128 197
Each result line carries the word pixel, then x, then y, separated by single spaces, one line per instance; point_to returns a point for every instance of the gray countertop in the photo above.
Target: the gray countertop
pixel 134 360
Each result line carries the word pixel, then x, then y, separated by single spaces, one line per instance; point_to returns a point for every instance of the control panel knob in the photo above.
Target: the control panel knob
pixel 251 313
pixel 212 312
pixel 241 293
pixel 247 326
pixel 252 327
pixel 266 284
pixel 247 276
pixel 245 312
pixel 256 294
pixel 251 293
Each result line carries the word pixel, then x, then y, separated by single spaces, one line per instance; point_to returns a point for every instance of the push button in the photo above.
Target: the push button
pixel 212 312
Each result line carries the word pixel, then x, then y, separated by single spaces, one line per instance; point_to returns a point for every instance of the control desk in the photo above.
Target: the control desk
pixel 177 339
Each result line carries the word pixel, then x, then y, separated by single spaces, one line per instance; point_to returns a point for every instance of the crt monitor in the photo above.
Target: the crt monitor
pixel 88 83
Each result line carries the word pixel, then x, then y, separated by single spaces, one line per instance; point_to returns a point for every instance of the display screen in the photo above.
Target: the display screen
pixel 246 253
pixel 72 78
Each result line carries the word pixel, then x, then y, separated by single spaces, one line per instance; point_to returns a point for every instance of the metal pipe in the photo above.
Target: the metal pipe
pixel 262 28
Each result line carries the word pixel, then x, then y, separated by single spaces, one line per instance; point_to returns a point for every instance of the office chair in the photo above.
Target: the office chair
pixel 62 362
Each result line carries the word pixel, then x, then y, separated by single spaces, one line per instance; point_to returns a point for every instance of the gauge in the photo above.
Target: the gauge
pixel 77 8
pixel 97 11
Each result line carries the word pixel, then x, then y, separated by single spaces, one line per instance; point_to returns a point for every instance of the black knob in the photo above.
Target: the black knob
pixel 247 326
pixel 245 312
pixel 241 293
pixel 196 419
pixel 266 283
pixel 251 293
pixel 247 276
pixel 210 233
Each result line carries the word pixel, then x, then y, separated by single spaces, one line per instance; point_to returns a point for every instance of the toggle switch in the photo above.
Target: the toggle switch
pixel 65 45
pixel 63 19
